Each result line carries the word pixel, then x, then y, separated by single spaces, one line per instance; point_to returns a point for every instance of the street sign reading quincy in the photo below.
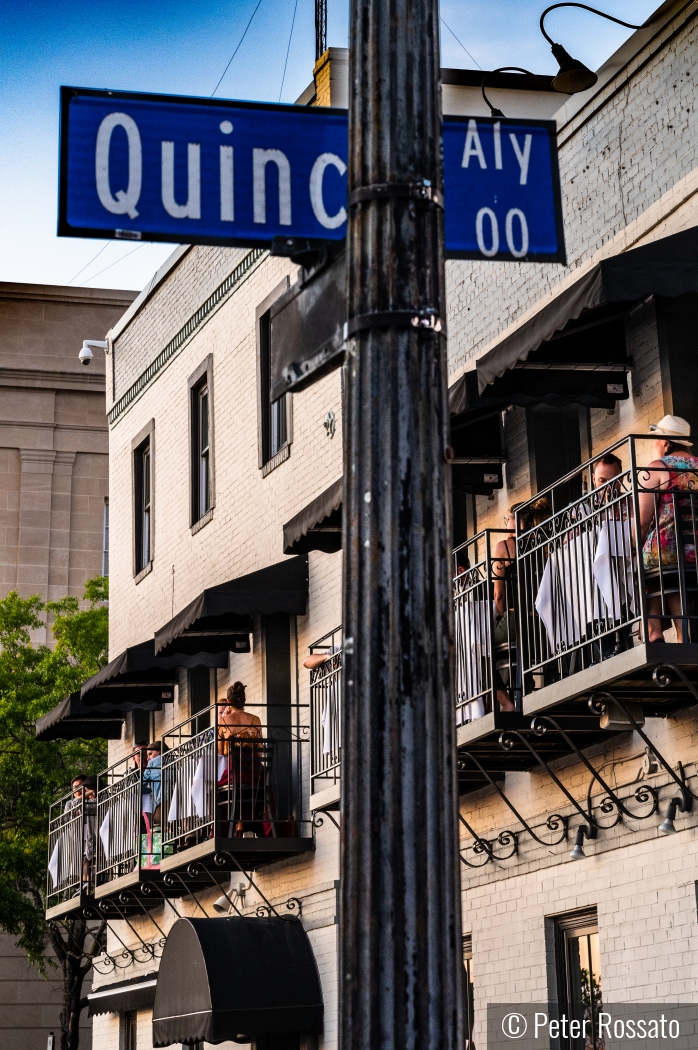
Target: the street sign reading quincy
pixel 168 168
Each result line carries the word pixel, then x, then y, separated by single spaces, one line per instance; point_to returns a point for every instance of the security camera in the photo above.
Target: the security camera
pixel 86 354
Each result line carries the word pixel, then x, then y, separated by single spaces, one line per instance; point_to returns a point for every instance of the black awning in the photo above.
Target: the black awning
pixel 138 993
pixel 477 442
pixel 233 977
pixel 465 402
pixel 218 610
pixel 318 527
pixel 137 678
pixel 668 267
pixel 71 720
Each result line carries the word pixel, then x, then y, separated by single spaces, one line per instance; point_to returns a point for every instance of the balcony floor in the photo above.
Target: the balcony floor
pixel 70 908
pixel 629 677
pixel 248 854
pixel 481 739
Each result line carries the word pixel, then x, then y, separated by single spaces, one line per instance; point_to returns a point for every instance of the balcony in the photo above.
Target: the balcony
pixel 608 609
pixel 70 876
pixel 594 605
pixel 231 802
pixel 325 721
pixel 128 850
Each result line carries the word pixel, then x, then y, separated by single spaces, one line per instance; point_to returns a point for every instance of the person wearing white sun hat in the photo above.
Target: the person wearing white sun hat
pixel 673 470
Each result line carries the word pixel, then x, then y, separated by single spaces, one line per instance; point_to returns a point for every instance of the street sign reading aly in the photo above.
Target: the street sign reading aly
pixel 210 171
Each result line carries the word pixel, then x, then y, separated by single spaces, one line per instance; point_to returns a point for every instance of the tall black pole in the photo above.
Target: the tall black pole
pixel 400 934
pixel 320 28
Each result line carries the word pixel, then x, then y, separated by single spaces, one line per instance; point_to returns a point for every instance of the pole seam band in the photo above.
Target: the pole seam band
pixel 419 191
pixel 422 321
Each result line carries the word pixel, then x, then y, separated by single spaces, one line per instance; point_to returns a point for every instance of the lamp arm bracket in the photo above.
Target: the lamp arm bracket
pixel 594 10
pixel 500 69
pixel 538 728
pixel 506 742
pixel 681 782
pixel 555 816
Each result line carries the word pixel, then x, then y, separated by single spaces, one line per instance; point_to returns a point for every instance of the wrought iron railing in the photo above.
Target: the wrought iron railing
pixel 613 568
pixel 128 821
pixel 230 781
pixel 71 835
pixel 326 712
pixel 484 600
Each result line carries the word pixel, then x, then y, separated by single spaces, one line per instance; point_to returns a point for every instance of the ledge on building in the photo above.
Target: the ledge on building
pixel 328 798
pixel 277 460
pixel 203 520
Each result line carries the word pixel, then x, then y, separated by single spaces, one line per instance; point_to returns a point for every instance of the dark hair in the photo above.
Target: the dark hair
pixel 236 695
pixel 533 514
pixel 155 746
pixel 90 782
pixel 608 460
pixel 674 447
pixel 79 778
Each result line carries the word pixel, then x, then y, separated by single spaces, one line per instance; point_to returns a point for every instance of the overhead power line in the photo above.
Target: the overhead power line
pixel 113 264
pixel 82 268
pixel 461 44
pixel 288 49
pixel 237 48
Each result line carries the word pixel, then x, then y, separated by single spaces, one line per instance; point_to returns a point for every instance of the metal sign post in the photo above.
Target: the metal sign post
pixel 209 171
pixel 400 931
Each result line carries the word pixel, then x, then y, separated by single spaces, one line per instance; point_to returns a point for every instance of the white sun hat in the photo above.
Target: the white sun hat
pixel 675 428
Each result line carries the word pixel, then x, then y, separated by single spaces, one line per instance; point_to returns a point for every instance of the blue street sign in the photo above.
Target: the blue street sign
pixel 209 171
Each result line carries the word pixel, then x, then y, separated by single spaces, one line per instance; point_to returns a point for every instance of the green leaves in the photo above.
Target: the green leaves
pixel 33 678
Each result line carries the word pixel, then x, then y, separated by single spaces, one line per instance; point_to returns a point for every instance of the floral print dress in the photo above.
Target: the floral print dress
pixel 682 478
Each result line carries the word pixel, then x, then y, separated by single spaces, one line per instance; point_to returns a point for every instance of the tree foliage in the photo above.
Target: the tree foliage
pixel 33 678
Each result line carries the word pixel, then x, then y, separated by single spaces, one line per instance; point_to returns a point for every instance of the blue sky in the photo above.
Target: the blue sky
pixel 182 48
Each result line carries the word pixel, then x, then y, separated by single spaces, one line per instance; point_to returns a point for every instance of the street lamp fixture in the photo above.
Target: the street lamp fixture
pixel 683 805
pixel 583 831
pixel 574 76
pixel 494 112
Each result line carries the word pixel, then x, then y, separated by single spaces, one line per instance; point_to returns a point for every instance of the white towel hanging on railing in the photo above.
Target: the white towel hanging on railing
pixel 105 834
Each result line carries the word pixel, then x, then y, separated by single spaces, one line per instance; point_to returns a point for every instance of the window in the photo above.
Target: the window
pixel 129 1031
pixel 143 475
pixel 105 540
pixel 274 413
pixel 142 722
pixel 199 697
pixel 143 506
pixel 274 416
pixel 579 976
pixel 469 992
pixel 201 431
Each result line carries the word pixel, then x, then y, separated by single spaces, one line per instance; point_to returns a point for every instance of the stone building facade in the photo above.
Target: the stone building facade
pixel 628 897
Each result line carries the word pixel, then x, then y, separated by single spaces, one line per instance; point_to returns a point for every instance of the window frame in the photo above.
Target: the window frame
pixel 105 538
pixel 268 456
pixel 144 442
pixel 200 379
pixel 128 1026
pixel 570 927
pixel 469 992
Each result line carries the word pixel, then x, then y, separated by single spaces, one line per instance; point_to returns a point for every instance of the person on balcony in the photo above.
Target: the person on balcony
pixel 85 787
pixel 152 775
pixel 673 470
pixel 606 468
pixel 504 573
pixel 246 801
pixel 233 720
